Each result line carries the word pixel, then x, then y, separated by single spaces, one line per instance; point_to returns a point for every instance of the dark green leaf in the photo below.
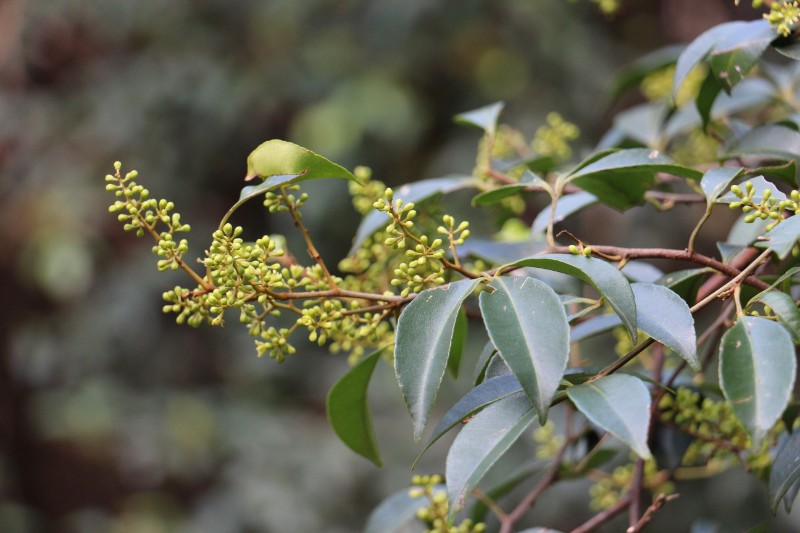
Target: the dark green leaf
pixel 528 325
pixel 619 404
pixel 786 172
pixel 566 205
pixel 782 238
pixel 785 470
pixel 769 141
pixel 396 511
pixel 738 49
pixel 706 97
pixel 422 345
pixel 620 179
pixel 483 362
pixel 457 346
pixel 486 393
pixel 790 48
pixel 482 442
pixel 686 283
pixel 609 281
pixel 664 316
pixel 785 308
pixel 756 372
pixel 411 192
pixel 496 195
pixel 348 411
pixel 484 118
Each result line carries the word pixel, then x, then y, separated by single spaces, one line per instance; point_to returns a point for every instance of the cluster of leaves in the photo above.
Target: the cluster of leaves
pixel 414 282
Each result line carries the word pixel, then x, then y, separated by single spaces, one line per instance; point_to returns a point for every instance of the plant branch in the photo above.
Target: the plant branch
pixel 310 248
pixel 603 516
pixel 657 504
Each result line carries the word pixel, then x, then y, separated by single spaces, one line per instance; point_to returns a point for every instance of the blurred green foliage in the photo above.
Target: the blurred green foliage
pixel 111 417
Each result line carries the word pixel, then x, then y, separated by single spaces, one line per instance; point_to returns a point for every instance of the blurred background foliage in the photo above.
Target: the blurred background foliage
pixel 113 418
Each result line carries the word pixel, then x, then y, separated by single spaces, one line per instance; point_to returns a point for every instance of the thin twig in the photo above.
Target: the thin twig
pixel 603 516
pixel 657 504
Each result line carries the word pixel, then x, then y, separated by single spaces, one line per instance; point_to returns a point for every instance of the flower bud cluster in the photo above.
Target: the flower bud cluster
pixel 585 251
pixel 141 214
pixel 553 138
pixel 614 485
pixel 283 201
pixel 768 207
pixel 550 442
pixel 784 16
pixel 435 515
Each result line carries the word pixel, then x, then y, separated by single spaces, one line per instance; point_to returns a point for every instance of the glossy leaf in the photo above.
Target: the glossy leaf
pixel 422 345
pixel 457 345
pixel 738 49
pixel 566 205
pixel 481 442
pixel 782 238
pixel 494 196
pixel 717 181
pixel 485 394
pixel 411 192
pixel 771 141
pixel 786 172
pixel 609 281
pixel 757 371
pixel 785 308
pixel 621 178
pixel 696 52
pixel 664 316
pixel 706 97
pixel 528 325
pixel 619 404
pixel 277 157
pixel 785 471
pixel 348 411
pixel 396 511
pixel 484 118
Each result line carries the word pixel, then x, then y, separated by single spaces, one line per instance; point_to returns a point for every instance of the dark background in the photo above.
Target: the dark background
pixel 113 418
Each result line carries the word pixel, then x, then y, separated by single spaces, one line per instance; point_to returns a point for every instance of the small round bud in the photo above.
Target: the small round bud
pixel 117 165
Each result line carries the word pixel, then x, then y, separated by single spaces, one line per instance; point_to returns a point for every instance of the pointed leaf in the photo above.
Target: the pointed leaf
pixel 478 375
pixel 277 157
pixel 484 118
pixel 348 411
pixel 528 325
pixel 785 471
pixel 706 97
pixel 782 238
pixel 411 192
pixel 696 52
pixel 396 511
pixel 739 49
pixel 482 442
pixel 756 372
pixel 621 178
pixel 422 345
pixel 494 196
pixel 485 394
pixel 566 205
pixel 770 141
pixel 664 316
pixel 609 281
pixel 785 308
pixel 619 404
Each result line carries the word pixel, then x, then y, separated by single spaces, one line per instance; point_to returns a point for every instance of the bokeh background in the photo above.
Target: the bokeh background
pixel 112 417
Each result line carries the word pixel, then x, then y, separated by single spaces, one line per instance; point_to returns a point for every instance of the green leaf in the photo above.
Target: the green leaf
pixel 609 281
pixel 785 471
pixel 484 118
pixel 496 195
pixel 278 158
pixel 396 511
pixel 706 97
pixel 457 346
pixel 528 325
pixel 756 372
pixel 566 205
pixel 485 394
pixel 717 181
pixel 422 345
pixel 619 404
pixel 785 308
pixel 411 192
pixel 620 179
pixel 348 411
pixel 482 442
pixel 697 51
pixel 769 141
pixel 664 316
pixel 782 238
pixel 281 163
pixel 738 49
pixel 787 172
pixel 478 375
